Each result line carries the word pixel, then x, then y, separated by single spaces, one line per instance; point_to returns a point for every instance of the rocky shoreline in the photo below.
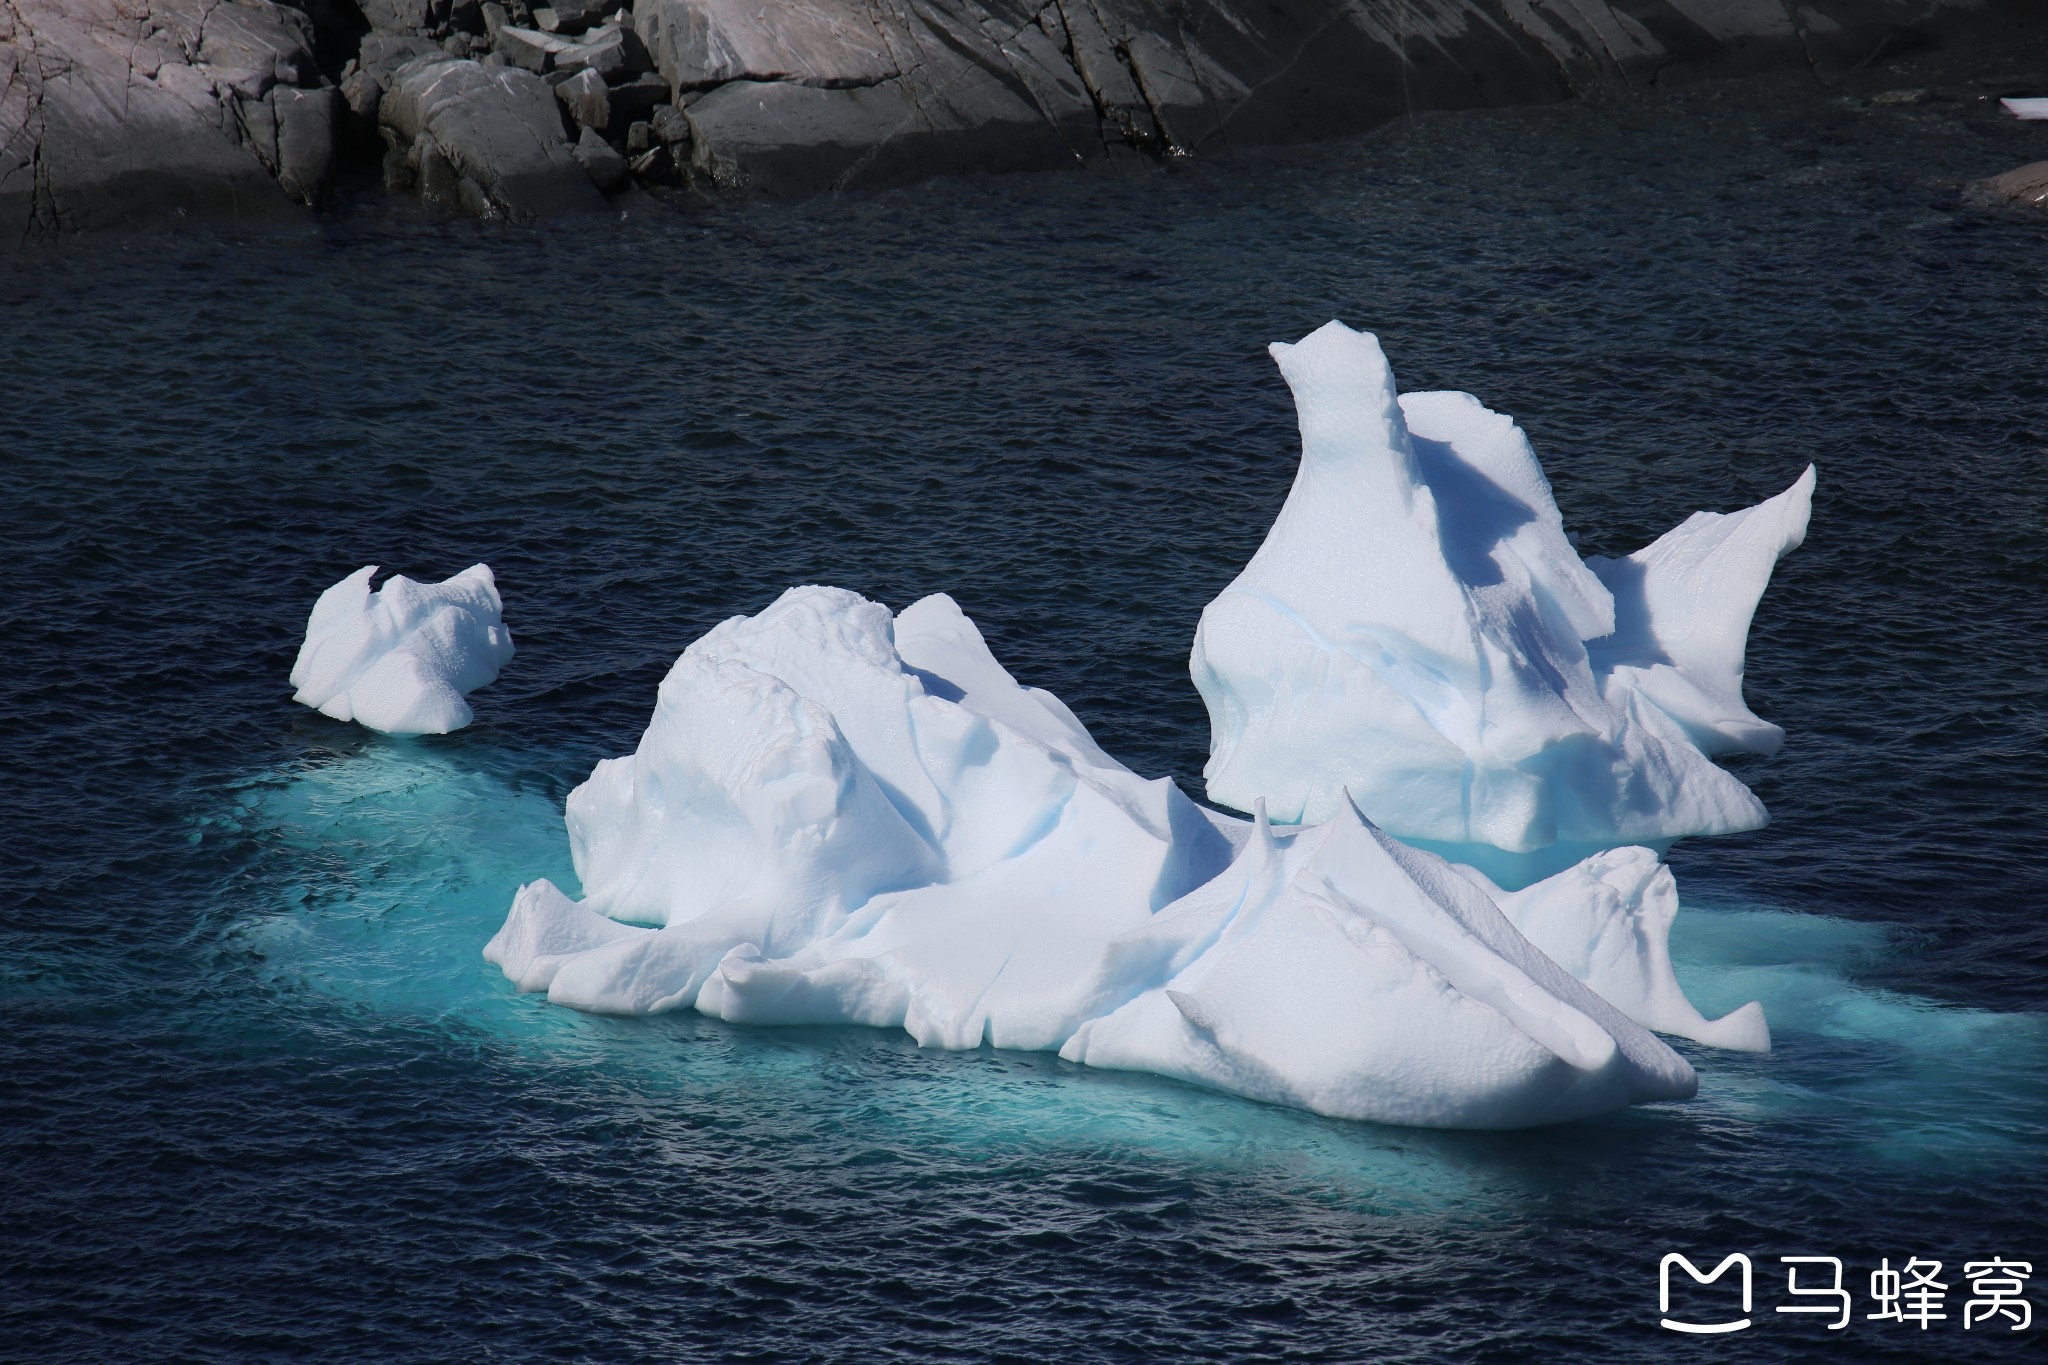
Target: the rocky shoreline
pixel 117 111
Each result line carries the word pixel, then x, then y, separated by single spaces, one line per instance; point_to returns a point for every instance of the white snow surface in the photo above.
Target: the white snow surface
pixel 2026 108
pixel 1417 632
pixel 1607 921
pixel 400 659
pixel 839 816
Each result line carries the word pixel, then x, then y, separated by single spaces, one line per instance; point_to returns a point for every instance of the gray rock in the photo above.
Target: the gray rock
pixel 809 104
pixel 606 168
pixel 267 39
pixel 569 16
pixel 440 184
pixel 499 130
pixel 1174 111
pixel 637 99
pixel 307 122
pixel 1036 55
pixel 2027 185
pixel 671 125
pixel 702 43
pixel 807 95
pixel 786 139
pixel 109 107
pixel 362 92
pixel 1109 79
pixel 587 99
pixel 614 53
pixel 654 164
pixel 382 54
pixel 640 138
pixel 398 173
pixel 530 48
pixel 399 16
pixel 107 118
pixel 945 97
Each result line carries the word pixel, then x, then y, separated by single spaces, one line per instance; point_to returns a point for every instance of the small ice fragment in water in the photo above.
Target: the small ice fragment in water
pixel 400 659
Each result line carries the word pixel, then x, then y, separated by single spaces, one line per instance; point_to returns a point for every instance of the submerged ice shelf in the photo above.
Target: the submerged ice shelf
pixel 400 659
pixel 1417 632
pixel 839 816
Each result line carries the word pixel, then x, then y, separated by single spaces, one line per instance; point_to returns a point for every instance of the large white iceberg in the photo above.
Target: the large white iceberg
pixel 839 816
pixel 400 659
pixel 1417 631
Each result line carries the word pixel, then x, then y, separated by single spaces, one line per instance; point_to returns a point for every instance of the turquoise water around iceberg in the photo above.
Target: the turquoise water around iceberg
pixel 396 864
pixel 261 1098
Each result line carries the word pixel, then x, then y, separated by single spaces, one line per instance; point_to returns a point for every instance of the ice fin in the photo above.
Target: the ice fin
pixel 1608 922
pixel 1683 606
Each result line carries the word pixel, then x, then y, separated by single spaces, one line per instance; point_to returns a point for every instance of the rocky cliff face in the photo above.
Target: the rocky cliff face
pixel 106 105
pixel 116 109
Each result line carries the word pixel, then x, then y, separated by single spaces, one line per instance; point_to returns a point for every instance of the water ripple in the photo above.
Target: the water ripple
pixel 262 1101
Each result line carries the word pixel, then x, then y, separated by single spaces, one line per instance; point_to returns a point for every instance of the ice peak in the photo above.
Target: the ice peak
pixel 1344 397
pixel 1417 637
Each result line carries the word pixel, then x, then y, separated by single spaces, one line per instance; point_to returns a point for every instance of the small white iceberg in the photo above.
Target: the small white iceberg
pixel 400 659
pixel 836 816
pixel 1417 632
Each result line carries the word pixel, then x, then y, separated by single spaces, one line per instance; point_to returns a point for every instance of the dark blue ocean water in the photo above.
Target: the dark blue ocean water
pixel 261 1099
